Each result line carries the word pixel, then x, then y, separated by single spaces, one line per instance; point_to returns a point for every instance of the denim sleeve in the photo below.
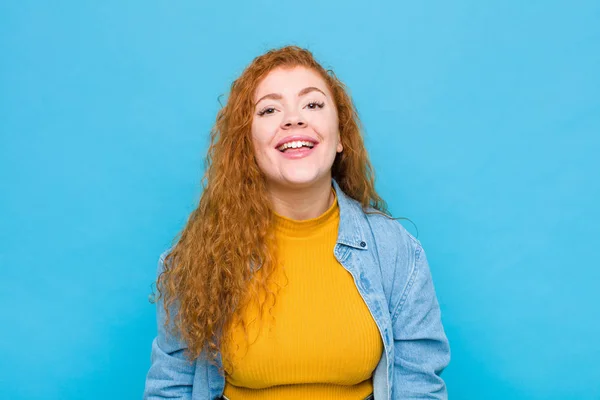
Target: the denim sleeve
pixel 421 348
pixel 171 375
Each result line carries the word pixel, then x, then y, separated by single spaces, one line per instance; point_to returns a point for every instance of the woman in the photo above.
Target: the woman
pixel 290 280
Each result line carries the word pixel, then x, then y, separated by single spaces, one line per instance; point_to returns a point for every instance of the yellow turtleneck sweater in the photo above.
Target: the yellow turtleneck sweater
pixel 321 341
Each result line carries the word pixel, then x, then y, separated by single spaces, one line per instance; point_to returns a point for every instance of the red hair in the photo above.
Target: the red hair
pixel 207 274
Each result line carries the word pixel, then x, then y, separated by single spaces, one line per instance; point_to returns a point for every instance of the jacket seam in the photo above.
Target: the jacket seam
pixel 391 307
pixel 409 285
pixel 376 245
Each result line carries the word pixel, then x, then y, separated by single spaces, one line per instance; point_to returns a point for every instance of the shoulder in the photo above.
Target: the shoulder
pixel 389 233
pixel 396 251
pixel 161 260
pixel 164 254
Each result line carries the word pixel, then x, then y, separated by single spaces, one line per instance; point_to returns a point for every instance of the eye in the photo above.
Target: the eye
pixel 313 105
pixel 266 110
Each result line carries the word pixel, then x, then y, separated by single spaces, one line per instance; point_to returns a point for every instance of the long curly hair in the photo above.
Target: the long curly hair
pixel 207 272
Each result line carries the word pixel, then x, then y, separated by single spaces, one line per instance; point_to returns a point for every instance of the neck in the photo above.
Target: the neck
pixel 302 203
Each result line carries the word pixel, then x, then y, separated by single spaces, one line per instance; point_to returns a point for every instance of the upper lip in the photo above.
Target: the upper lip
pixel 294 138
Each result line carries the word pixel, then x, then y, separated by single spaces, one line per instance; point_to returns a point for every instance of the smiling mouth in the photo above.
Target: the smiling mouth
pixel 297 152
pixel 304 145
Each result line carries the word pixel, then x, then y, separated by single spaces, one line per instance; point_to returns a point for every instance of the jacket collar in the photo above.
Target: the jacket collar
pixel 351 228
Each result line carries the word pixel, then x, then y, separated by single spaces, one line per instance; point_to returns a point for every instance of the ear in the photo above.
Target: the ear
pixel 339 147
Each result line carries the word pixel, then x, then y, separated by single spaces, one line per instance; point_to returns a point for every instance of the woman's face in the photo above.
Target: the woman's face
pixel 295 106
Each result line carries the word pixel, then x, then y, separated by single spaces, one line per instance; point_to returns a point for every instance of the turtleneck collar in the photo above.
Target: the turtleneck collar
pixel 304 228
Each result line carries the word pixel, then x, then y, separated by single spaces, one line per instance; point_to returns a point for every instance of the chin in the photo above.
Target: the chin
pixel 298 181
pixel 302 179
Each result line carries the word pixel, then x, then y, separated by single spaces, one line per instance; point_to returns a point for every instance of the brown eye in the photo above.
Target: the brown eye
pixel 315 105
pixel 268 111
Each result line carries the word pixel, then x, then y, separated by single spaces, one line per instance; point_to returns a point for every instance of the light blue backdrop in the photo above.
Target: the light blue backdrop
pixel 482 120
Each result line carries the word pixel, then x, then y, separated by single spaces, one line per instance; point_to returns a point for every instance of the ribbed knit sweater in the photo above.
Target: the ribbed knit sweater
pixel 321 341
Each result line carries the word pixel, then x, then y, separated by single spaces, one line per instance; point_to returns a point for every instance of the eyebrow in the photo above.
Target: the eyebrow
pixel 277 96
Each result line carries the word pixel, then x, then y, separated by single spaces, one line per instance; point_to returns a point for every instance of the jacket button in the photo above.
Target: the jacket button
pixel 362 244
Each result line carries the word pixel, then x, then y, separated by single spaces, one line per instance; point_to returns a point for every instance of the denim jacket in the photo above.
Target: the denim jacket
pixel 391 274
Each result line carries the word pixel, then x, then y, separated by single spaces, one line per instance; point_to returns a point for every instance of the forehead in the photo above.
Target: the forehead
pixel 290 81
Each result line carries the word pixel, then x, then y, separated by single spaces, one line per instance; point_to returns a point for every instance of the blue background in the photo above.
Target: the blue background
pixel 482 120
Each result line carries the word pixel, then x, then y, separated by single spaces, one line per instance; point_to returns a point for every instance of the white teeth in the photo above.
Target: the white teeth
pixel 295 145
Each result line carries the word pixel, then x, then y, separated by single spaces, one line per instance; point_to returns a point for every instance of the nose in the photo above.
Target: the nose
pixel 293 120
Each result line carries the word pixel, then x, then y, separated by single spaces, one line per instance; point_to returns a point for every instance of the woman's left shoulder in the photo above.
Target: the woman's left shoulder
pixel 389 234
pixel 395 251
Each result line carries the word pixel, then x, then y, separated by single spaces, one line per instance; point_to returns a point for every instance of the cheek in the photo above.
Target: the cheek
pixel 261 141
pixel 334 121
pixel 262 132
pixel 327 123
